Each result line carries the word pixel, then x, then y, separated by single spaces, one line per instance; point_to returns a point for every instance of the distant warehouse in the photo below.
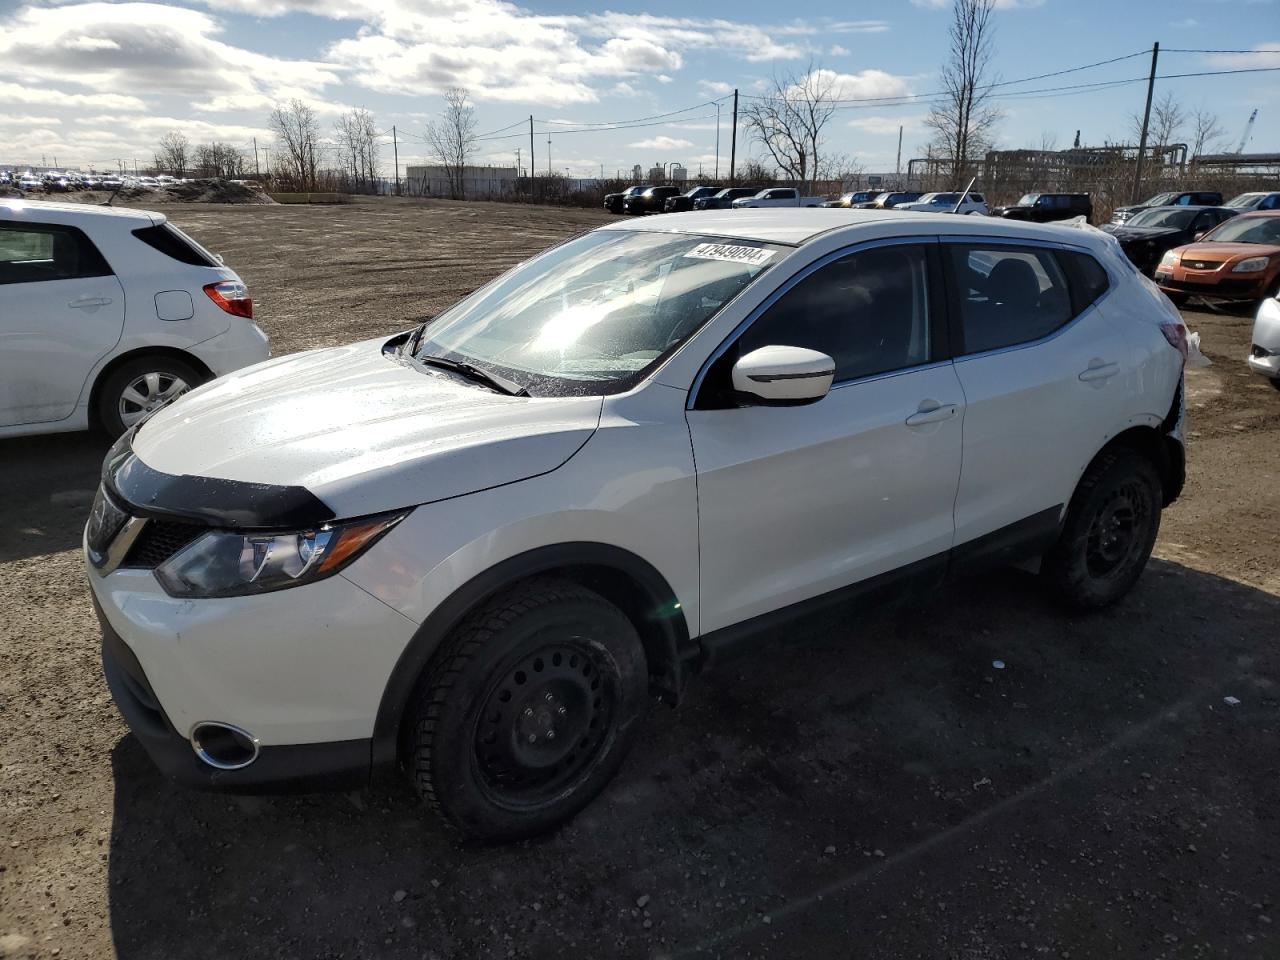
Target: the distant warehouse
pixel 471 183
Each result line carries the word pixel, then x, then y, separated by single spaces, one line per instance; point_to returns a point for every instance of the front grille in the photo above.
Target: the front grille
pixel 160 540
pixel 1224 288
pixel 1188 263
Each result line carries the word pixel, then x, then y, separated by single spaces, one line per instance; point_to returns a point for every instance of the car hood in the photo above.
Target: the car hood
pixel 1227 251
pixel 1126 234
pixel 363 430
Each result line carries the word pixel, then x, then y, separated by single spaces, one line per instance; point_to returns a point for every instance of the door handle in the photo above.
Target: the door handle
pixel 1099 370
pixel 83 302
pixel 931 412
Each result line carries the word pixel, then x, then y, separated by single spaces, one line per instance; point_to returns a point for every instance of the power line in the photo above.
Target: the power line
pixel 1163 50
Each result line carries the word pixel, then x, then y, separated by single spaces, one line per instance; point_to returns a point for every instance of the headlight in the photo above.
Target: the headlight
pixel 224 563
pixel 1170 259
pixel 1252 265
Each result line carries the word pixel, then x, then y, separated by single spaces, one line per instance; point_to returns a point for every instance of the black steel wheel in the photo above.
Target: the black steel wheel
pixel 527 711
pixel 1108 533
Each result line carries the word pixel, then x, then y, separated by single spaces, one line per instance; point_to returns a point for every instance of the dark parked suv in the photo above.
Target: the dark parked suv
pixel 613 201
pixel 686 200
pixel 889 199
pixel 649 200
pixel 1047 207
pixel 724 199
pixel 1189 198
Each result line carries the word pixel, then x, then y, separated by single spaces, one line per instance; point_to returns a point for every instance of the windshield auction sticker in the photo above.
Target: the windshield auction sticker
pixel 752 256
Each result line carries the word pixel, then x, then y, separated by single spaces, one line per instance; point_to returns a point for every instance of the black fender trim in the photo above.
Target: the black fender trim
pixel 658 618
pixel 208 500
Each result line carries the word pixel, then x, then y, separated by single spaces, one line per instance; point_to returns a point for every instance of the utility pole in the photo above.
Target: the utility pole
pixel 549 153
pixel 532 168
pixel 1146 121
pixel 395 152
pixel 256 171
pixel 897 167
pixel 733 139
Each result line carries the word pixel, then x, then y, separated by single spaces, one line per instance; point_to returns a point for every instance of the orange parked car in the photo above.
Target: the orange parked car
pixel 1237 260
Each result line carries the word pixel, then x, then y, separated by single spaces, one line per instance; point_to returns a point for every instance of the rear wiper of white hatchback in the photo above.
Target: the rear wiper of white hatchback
pixel 488 378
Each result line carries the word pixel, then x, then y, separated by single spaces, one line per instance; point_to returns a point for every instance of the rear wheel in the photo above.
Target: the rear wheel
pixel 528 711
pixel 1110 529
pixel 140 387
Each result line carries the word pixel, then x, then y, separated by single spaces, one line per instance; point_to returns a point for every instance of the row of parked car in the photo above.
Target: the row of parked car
pixel 71 181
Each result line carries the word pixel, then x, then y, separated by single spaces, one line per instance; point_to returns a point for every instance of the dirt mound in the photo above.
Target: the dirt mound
pixel 213 191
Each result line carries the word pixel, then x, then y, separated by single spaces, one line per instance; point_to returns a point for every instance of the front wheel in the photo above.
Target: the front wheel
pixel 1276 383
pixel 528 711
pixel 1109 531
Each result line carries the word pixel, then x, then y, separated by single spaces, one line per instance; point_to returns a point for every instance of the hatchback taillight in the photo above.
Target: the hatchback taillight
pixel 1176 333
pixel 231 296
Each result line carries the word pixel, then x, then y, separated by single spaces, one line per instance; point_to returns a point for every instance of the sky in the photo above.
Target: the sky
pixel 91 84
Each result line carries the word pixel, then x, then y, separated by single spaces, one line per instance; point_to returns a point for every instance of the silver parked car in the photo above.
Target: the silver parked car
pixel 1264 353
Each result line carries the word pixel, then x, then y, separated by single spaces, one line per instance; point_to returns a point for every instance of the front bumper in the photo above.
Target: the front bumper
pixel 1265 363
pixel 344 764
pixel 1208 284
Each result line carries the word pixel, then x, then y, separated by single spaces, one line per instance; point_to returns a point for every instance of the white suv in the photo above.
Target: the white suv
pixel 946 203
pixel 106 314
pixel 476 549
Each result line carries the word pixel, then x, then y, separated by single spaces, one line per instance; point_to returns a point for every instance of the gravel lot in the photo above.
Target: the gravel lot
pixel 855 787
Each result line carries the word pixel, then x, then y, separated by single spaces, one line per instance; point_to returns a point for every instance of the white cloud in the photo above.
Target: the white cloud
pixel 714 88
pixel 661 143
pixel 20 120
pixel 13 93
pixel 999 5
pixel 886 126
pixel 1265 55
pixel 839 51
pixel 865 84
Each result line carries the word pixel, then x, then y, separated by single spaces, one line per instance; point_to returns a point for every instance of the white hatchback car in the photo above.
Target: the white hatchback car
pixel 106 314
pixel 476 549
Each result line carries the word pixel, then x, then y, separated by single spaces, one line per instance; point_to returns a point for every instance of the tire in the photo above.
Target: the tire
pixel 547 659
pixel 1276 383
pixel 1110 528
pixel 141 386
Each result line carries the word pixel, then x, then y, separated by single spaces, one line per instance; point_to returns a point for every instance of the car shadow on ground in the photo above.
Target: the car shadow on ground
pixel 863 784
pixel 48 485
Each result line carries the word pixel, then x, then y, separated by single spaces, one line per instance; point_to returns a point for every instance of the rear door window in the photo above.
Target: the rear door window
pixel 1007 295
pixel 30 253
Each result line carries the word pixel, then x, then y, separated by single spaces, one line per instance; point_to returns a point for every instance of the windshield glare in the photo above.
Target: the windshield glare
pixel 1243 229
pixel 1244 200
pixel 1029 200
pixel 1164 218
pixel 1160 199
pixel 593 315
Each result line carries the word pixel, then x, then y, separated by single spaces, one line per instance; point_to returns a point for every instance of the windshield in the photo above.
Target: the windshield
pixel 1164 218
pixel 946 198
pixel 1028 200
pixel 593 315
pixel 1160 200
pixel 1247 230
pixel 1244 200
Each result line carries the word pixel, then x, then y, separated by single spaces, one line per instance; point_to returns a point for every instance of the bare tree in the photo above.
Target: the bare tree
pixel 1168 119
pixel 357 143
pixel 453 138
pixel 964 120
pixel 756 171
pixel 174 154
pixel 219 159
pixel 298 132
pixel 1206 132
pixel 789 120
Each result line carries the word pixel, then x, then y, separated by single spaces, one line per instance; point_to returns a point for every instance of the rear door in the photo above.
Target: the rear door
pixel 798 501
pixel 1043 373
pixel 61 311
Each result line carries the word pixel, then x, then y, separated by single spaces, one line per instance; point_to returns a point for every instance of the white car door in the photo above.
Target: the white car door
pixel 61 311
pixel 798 501
pixel 1044 376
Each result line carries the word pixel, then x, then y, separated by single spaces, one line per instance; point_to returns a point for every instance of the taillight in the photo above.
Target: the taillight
pixel 231 296
pixel 1176 333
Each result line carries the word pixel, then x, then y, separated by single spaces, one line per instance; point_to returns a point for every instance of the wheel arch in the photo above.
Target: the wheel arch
pixel 115 363
pixel 1164 451
pixel 623 578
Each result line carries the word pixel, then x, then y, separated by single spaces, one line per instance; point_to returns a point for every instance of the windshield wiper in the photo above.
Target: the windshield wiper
pixel 487 377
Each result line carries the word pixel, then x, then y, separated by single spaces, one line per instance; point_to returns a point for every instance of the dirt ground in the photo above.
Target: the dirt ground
pixel 857 787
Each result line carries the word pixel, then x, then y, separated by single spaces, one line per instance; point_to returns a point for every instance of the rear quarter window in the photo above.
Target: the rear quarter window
pixel 172 244
pixel 1088 279
pixel 30 253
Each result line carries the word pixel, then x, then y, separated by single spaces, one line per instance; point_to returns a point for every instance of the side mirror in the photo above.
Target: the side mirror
pixel 1199 235
pixel 784 375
